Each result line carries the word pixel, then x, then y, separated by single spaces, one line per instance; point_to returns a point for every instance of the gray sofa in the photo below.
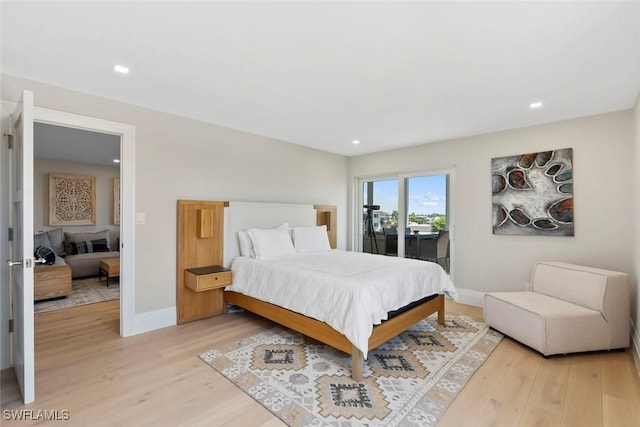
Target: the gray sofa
pixel 85 265
pixel 86 250
pixel 82 252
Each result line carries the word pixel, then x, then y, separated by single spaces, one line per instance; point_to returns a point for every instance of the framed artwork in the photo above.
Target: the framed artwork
pixel 116 201
pixel 72 199
pixel 532 193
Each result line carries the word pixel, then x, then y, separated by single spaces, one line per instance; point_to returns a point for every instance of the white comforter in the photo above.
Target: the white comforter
pixel 350 291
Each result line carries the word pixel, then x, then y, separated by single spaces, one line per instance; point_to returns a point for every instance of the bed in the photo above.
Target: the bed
pixel 352 301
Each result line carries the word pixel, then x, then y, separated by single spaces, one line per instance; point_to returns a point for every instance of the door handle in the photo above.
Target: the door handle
pixel 14 263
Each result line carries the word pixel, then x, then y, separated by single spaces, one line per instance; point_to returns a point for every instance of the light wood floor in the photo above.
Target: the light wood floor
pixel 156 379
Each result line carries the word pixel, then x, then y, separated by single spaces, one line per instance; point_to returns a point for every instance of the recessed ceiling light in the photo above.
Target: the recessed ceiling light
pixel 121 69
pixel 355 142
pixel 535 105
pixel 116 160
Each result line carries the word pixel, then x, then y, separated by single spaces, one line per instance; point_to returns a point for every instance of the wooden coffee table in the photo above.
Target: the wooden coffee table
pixel 110 267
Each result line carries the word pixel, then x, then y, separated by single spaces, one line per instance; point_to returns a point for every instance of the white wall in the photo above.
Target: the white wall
pixel 603 165
pixel 178 158
pixel 104 192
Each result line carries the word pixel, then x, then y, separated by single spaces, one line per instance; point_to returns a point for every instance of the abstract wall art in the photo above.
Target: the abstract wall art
pixel 72 199
pixel 532 193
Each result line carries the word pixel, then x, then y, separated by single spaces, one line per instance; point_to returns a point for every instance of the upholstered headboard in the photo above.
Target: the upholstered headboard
pixel 244 215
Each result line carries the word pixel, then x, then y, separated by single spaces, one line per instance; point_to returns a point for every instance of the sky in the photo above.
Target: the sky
pixel 426 194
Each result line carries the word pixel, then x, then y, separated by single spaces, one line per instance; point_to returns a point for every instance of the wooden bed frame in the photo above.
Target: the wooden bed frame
pixel 207 237
pixel 327 335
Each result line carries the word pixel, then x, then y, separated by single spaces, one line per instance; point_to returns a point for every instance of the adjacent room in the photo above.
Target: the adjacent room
pixel 320 213
pixel 76 217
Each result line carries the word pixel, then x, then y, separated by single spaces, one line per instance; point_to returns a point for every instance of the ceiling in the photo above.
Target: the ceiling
pixel 321 74
pixel 77 145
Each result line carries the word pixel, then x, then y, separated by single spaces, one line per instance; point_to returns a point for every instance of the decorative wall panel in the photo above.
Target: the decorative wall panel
pixel 72 200
pixel 116 201
pixel 533 193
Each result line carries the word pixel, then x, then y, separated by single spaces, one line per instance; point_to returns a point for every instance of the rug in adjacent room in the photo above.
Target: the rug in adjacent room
pixel 84 291
pixel 409 380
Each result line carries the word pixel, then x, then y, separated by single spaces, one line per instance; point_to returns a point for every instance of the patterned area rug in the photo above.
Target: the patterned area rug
pixel 85 291
pixel 409 380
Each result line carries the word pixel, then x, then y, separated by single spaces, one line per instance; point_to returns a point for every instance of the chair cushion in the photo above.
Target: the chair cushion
pixel 573 283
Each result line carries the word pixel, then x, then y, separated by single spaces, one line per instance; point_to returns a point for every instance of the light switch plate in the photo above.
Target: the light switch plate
pixel 140 218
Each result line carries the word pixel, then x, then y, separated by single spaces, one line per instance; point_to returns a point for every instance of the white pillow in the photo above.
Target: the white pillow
pixel 272 243
pixel 246 247
pixel 311 239
pixel 246 243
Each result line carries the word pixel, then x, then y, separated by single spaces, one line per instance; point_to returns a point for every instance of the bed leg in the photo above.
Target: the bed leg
pixel 357 364
pixel 441 310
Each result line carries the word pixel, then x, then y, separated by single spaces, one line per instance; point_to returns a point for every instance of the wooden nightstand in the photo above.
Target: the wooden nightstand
pixel 207 278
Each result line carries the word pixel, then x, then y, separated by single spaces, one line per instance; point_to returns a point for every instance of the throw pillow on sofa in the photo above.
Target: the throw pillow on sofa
pixel 84 237
pixel 52 239
pixel 46 253
pixel 41 239
pixel 56 238
pixel 85 247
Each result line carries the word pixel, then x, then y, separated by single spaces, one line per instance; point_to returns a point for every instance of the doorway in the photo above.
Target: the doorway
pixel 126 134
pixel 64 156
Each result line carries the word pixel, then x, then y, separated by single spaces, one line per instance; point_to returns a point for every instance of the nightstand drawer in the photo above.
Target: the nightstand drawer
pixel 200 281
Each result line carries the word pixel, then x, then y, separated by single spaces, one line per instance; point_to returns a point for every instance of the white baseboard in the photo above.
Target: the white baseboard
pixel 635 346
pixel 152 320
pixel 470 297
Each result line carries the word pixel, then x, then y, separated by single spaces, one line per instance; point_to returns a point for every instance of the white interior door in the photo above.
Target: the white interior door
pixel 21 219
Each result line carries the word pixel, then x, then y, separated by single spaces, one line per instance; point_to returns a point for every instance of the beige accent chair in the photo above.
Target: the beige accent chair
pixel 569 309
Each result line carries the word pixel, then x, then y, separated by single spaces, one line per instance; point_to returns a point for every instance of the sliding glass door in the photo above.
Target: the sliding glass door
pixel 407 215
pixel 379 215
pixel 427 219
